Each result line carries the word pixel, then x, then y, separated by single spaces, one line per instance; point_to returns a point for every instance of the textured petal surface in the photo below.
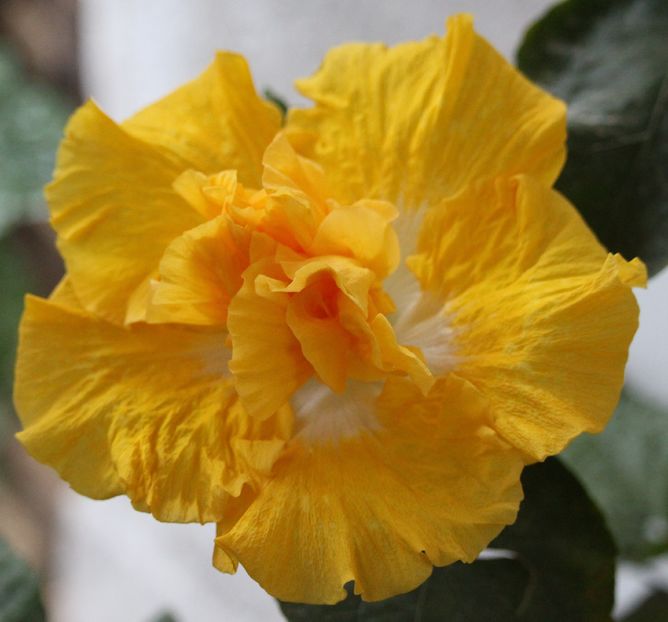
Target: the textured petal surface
pixel 359 231
pixel 542 316
pixel 145 410
pixel 213 123
pixel 267 361
pixel 433 484
pixel 64 296
pixel 416 122
pixel 199 274
pixel 114 210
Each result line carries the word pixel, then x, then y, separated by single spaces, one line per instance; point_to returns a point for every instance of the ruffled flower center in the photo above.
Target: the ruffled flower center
pixel 298 279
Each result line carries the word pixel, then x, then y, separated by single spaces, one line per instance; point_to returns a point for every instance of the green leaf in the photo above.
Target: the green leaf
pixel 563 539
pixel 555 563
pixel 654 609
pixel 19 590
pixel 625 469
pixel 490 589
pixel 32 117
pixel 277 100
pixel 15 280
pixel 609 60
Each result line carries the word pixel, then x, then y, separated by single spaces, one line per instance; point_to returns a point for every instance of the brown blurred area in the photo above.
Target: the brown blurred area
pixel 41 34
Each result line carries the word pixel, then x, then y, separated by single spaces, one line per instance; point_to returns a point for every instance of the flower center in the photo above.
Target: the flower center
pixel 325 417
pixel 298 280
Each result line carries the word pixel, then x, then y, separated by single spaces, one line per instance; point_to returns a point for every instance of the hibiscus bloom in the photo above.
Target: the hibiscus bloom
pixel 341 338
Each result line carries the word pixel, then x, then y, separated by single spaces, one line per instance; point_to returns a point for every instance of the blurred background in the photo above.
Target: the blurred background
pixel 103 561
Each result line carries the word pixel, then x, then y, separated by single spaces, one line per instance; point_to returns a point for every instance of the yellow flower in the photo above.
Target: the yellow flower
pixel 340 340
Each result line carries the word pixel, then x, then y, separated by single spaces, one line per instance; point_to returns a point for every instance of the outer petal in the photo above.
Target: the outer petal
pixel 542 317
pixel 213 123
pixel 416 122
pixel 432 485
pixel 63 295
pixel 114 210
pixel 145 410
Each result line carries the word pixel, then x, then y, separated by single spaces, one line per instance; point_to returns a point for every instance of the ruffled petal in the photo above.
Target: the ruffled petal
pixel 199 274
pixel 361 232
pixel 430 485
pixel 324 343
pixel 267 362
pixel 286 171
pixel 415 123
pixel 541 317
pixel 114 210
pixel 213 123
pixel 149 411
pixel 207 194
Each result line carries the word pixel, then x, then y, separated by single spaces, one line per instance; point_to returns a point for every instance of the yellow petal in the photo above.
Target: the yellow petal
pixel 329 314
pixel 206 193
pixel 414 123
pixel 199 274
pixel 297 191
pixel 64 296
pixel 147 410
pixel 541 316
pixel 398 358
pixel 213 123
pixel 114 210
pixel 267 362
pixel 324 343
pixel 433 484
pixel 361 232
pixel 352 279
pixel 286 171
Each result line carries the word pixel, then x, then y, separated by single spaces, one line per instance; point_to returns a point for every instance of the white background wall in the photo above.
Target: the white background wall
pixel 133 51
pixel 113 563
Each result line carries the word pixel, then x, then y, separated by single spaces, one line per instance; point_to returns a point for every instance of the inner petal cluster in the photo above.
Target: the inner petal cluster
pixel 294 275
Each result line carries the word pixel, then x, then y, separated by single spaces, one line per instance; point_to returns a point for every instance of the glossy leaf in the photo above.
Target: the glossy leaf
pixel 625 469
pixel 563 540
pixel 19 590
pixel 497 584
pixel 555 563
pixel 609 60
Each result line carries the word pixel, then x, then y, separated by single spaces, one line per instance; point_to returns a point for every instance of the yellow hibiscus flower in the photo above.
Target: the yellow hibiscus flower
pixel 340 339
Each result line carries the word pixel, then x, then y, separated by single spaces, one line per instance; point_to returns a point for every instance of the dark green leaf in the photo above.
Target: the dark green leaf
pixel 562 538
pixel 19 590
pixel 15 280
pixel 654 609
pixel 32 117
pixel 626 471
pixel 609 60
pixel 490 589
pixel 555 564
pixel 277 100
pixel 457 593
pixel 345 611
